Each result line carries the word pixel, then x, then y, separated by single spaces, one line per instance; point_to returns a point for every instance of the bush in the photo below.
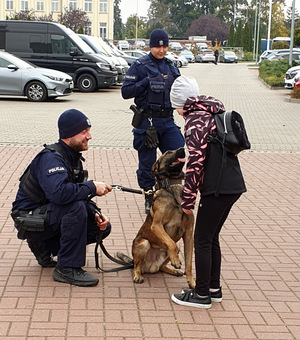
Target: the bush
pixel 273 72
pixel 248 56
pixel 295 93
pixel 280 45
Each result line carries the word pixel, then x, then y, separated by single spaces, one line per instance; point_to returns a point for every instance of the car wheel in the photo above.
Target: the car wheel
pixel 179 64
pixel 36 91
pixel 86 83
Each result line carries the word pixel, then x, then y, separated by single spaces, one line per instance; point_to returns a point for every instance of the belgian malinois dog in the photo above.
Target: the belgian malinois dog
pixel 166 223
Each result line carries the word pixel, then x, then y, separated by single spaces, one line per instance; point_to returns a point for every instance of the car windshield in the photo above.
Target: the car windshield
pixel 82 45
pixel 96 43
pixel 229 53
pixel 207 51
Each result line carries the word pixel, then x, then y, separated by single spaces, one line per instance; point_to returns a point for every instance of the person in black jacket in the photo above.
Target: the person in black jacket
pixel 217 196
pixel 216 56
pixel 55 182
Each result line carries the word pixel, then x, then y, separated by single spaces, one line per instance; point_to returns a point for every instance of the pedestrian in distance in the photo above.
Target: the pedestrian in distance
pixel 149 81
pixel 216 56
pixel 53 210
pixel 218 193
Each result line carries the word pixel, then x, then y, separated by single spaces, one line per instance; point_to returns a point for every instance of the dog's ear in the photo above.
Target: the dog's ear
pixel 154 169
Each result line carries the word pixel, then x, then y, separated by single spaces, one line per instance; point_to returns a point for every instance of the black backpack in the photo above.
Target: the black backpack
pixel 231 132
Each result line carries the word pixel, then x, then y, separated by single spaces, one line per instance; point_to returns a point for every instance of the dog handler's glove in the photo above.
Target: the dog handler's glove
pixel 151 140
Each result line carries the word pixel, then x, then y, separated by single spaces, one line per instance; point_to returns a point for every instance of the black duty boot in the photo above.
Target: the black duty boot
pixel 41 253
pixel 74 276
pixel 148 198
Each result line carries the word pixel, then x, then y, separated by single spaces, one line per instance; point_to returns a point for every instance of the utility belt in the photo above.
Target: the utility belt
pixel 162 113
pixel 30 220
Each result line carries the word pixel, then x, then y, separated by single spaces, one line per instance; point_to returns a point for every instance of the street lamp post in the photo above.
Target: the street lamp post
pixel 269 27
pixel 292 34
pixel 136 23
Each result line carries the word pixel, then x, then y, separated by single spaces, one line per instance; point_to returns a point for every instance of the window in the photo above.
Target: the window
pixel 4 62
pixel 88 5
pixel 103 6
pixel 54 6
pixel 9 4
pixel 102 30
pixel 27 43
pixel 60 44
pixel 88 29
pixel 24 5
pixel 40 5
pixel 72 5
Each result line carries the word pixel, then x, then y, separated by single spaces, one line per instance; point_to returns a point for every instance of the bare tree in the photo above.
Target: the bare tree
pixel 75 20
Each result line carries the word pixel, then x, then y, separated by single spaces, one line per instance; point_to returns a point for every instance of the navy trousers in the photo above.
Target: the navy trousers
pixel 70 229
pixel 170 138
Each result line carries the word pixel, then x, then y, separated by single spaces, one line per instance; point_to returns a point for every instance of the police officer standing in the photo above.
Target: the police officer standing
pixel 54 189
pixel 149 81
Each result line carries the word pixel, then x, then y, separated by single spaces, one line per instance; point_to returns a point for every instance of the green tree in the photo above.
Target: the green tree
pixel 230 41
pixel 118 25
pixel 297 37
pixel 130 27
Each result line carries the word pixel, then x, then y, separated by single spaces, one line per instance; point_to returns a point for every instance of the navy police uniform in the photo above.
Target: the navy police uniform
pixel 149 81
pixel 71 225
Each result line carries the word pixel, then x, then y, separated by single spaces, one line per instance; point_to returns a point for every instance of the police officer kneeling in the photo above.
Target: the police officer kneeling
pixel 52 209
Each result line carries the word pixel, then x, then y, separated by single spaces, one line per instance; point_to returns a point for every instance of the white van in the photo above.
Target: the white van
pixel 123 45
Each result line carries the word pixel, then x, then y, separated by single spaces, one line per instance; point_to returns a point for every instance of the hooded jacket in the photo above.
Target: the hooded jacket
pixel 205 159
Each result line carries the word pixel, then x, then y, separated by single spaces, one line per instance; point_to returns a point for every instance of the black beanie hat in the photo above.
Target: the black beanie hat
pixel 72 122
pixel 159 37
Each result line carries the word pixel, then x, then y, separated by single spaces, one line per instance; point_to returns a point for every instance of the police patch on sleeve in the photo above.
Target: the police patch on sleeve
pixel 128 77
pixel 56 169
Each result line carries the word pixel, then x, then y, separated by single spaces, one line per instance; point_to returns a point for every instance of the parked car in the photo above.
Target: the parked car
pixel 129 59
pixel 99 47
pixel 123 45
pixel 52 45
pixel 188 55
pixel 290 77
pixel 272 53
pixel 135 53
pixel 176 46
pixel 297 82
pixel 205 56
pixel 174 58
pixel 20 78
pixel 228 57
pixel 285 55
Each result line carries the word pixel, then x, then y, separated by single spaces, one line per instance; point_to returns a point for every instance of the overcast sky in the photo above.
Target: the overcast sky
pixel 130 7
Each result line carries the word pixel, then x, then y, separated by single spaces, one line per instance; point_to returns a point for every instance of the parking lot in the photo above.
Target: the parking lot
pixel 260 240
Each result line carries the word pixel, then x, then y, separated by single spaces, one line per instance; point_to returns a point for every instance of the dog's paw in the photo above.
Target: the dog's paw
pixel 191 282
pixel 178 273
pixel 176 263
pixel 138 279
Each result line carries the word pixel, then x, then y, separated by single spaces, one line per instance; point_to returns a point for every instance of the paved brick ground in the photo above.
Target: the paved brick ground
pixel 260 240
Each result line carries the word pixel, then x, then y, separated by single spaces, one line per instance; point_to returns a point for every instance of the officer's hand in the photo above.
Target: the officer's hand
pixel 102 188
pixel 101 223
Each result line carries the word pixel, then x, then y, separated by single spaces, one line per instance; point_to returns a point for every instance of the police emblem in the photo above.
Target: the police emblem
pixel 161 43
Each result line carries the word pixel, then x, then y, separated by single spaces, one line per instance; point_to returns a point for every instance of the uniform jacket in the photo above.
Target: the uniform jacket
pixel 205 159
pixel 149 82
pixel 51 171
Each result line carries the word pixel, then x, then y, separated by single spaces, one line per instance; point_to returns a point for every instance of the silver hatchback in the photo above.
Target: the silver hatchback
pixel 20 78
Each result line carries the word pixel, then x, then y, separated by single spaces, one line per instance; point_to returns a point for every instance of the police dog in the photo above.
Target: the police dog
pixel 155 243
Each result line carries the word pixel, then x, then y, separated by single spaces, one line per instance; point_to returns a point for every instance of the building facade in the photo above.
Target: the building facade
pixel 100 12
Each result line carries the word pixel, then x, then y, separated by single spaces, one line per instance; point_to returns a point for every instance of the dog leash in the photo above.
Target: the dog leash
pixel 125 265
pixel 134 191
